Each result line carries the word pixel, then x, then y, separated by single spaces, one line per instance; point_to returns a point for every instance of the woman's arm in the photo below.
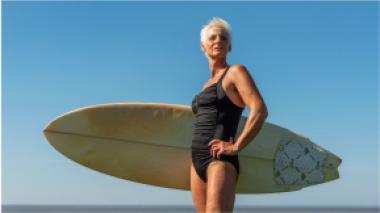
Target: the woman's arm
pixel 252 98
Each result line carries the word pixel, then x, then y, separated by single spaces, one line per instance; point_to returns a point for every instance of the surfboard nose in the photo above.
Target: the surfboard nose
pixel 332 161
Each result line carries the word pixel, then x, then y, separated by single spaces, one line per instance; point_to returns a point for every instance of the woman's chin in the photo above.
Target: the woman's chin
pixel 218 55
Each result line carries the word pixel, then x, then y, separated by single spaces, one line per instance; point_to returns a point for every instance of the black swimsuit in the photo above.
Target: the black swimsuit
pixel 216 116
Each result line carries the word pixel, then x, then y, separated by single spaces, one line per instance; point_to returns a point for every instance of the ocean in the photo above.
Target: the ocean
pixel 172 209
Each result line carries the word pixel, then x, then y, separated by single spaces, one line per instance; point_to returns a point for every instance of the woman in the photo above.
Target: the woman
pixel 218 108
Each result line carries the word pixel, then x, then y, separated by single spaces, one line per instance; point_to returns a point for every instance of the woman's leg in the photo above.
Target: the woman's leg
pixel 198 190
pixel 221 185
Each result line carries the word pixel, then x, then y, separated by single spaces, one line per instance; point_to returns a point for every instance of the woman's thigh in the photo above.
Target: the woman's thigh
pixel 198 190
pixel 221 185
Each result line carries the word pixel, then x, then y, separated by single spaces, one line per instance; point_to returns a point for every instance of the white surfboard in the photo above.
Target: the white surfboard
pixel 150 143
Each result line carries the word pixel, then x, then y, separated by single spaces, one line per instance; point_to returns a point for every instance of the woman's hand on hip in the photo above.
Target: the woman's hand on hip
pixel 218 147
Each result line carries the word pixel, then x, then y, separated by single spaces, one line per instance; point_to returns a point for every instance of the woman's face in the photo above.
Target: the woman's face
pixel 216 43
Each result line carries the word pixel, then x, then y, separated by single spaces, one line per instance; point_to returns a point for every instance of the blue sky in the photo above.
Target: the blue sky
pixel 315 63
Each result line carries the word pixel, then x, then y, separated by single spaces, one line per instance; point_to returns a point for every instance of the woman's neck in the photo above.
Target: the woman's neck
pixel 216 66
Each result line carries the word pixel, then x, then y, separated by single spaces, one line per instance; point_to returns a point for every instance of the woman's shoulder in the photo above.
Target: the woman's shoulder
pixel 238 69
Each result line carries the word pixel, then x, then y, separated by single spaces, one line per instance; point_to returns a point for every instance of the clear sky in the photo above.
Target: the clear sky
pixel 315 63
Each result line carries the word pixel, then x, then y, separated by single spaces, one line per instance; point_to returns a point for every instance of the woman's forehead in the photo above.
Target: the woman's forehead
pixel 214 31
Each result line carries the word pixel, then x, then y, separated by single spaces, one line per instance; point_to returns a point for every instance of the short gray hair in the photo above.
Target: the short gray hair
pixel 216 22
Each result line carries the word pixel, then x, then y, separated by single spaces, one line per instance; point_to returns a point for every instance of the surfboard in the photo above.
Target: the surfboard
pixel 150 143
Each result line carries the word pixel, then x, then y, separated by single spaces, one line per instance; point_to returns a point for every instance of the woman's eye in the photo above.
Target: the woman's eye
pixel 213 37
pixel 223 38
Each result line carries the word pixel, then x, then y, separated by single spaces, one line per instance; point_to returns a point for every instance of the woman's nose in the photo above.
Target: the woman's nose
pixel 218 39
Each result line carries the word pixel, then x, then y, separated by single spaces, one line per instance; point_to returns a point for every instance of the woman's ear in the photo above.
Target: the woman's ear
pixel 202 48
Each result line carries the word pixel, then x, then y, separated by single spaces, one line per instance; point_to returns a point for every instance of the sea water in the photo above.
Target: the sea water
pixel 172 209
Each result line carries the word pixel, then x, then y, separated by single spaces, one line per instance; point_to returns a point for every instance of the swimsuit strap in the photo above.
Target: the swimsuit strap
pixel 220 79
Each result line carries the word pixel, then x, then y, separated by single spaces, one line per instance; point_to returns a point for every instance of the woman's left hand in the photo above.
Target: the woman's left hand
pixel 218 147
